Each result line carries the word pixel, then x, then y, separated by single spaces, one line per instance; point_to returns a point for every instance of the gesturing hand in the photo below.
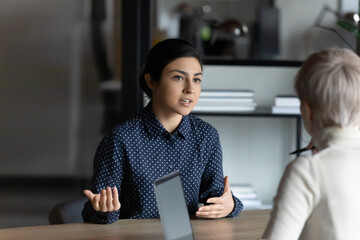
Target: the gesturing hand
pixel 221 206
pixel 311 146
pixel 105 201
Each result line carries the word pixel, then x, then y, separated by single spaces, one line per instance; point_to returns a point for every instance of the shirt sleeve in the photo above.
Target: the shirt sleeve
pixel 294 201
pixel 108 171
pixel 212 182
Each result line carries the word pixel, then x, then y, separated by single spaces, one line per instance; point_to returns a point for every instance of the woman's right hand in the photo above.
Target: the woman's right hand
pixel 105 201
pixel 312 147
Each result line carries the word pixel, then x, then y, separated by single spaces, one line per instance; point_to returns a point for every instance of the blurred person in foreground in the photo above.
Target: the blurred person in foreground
pixel 318 196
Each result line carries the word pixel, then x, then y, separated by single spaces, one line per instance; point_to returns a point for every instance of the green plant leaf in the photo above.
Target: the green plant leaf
pixel 350 28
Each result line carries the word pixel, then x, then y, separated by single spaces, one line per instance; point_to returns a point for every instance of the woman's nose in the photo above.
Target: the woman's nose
pixel 189 88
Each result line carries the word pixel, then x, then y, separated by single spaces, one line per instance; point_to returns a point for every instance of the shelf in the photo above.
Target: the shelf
pixel 264 112
pixel 259 112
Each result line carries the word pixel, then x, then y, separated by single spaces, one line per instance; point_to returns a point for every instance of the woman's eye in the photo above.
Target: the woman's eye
pixel 198 80
pixel 178 77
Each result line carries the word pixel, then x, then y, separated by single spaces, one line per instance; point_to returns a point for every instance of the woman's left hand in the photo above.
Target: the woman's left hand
pixel 220 206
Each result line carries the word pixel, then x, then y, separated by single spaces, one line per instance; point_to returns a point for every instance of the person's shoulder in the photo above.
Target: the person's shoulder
pixel 126 127
pixel 312 160
pixel 302 161
pixel 130 123
pixel 306 165
pixel 201 125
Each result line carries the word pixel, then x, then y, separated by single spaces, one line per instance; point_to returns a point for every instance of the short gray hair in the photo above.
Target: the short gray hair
pixel 329 81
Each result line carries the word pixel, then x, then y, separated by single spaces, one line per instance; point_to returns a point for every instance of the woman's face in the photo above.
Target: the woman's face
pixel 179 87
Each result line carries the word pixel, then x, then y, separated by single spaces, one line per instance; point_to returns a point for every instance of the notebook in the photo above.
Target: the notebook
pixel 172 207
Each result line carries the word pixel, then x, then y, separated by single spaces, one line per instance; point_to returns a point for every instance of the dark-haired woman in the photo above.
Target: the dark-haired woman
pixel 163 138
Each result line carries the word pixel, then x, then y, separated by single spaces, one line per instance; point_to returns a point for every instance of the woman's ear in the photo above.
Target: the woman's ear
pixel 309 111
pixel 307 114
pixel 151 84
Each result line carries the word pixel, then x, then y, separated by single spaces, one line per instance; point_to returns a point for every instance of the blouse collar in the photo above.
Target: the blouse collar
pixel 155 128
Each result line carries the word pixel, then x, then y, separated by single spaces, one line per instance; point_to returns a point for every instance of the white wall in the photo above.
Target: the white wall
pixel 298 34
pixel 349 6
pixel 255 150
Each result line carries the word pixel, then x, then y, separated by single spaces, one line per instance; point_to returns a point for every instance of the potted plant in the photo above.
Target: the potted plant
pixel 352 27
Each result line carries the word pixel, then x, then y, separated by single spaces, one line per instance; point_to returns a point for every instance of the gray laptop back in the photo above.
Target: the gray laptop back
pixel 172 207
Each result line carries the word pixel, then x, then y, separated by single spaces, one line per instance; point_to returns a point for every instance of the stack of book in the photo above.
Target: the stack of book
pixel 285 104
pixel 247 195
pixel 225 101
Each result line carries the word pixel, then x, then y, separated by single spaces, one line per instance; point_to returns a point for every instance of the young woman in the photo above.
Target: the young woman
pixel 318 197
pixel 163 138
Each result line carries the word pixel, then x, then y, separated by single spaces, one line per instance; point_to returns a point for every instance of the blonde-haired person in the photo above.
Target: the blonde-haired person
pixel 318 196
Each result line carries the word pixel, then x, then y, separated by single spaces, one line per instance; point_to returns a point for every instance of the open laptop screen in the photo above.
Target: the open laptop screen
pixel 172 207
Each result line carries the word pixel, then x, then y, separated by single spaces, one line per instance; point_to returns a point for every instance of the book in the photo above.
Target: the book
pixel 241 195
pixel 247 195
pixel 226 101
pixel 286 110
pixel 217 100
pixel 225 108
pixel 227 93
pixel 244 188
pixel 285 100
pixel 229 102
pixel 251 204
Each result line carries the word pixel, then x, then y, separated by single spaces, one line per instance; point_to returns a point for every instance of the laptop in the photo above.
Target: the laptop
pixel 174 215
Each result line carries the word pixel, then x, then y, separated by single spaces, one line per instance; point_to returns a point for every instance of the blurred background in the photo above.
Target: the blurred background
pixel 62 80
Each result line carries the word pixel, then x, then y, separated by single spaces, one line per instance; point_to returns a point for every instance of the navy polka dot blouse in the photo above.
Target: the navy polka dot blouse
pixel 140 151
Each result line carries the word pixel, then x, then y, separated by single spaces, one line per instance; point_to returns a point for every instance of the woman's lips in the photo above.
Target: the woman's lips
pixel 186 102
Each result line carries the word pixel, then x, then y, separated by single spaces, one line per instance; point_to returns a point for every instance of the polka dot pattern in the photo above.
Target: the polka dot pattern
pixel 139 151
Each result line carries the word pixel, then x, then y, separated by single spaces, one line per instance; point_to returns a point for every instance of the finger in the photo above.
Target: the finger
pixel 103 200
pixel 314 150
pixel 96 202
pixel 226 184
pixel 221 207
pixel 109 199
pixel 116 202
pixel 89 194
pixel 214 211
pixel 210 208
pixel 310 145
pixel 209 214
pixel 218 200
pixel 94 199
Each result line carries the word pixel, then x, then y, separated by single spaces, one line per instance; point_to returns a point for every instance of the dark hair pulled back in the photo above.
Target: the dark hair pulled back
pixel 160 56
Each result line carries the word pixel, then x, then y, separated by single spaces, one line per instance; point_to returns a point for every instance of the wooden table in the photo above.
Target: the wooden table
pixel 249 225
